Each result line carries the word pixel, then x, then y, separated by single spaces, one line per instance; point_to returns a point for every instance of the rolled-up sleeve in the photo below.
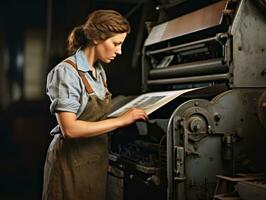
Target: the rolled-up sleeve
pixel 64 89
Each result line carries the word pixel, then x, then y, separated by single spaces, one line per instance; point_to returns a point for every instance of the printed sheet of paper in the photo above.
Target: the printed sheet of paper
pixel 150 101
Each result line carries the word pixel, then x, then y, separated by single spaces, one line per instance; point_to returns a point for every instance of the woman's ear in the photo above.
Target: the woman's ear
pixel 94 42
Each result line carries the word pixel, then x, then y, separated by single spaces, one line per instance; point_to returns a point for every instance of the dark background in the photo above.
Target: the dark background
pixel 25 121
pixel 33 37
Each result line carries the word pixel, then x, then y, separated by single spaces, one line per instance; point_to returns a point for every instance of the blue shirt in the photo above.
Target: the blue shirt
pixel 66 89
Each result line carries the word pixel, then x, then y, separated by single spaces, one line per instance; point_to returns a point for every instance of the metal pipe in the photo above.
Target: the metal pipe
pixel 181 46
pixel 213 77
pixel 205 67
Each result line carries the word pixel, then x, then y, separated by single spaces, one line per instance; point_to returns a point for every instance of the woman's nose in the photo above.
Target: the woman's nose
pixel 118 51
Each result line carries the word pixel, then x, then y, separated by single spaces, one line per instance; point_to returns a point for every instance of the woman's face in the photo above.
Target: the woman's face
pixel 107 50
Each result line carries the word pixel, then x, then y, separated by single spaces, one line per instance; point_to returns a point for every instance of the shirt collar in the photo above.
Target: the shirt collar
pixel 83 64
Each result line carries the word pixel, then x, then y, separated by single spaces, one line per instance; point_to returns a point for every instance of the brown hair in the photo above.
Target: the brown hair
pixel 100 25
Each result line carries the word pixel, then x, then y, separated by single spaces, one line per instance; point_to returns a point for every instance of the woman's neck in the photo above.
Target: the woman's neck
pixel 90 55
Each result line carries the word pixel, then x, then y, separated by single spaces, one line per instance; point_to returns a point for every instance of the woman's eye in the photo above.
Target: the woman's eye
pixel 117 44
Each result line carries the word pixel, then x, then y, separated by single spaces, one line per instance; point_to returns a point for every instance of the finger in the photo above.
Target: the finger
pixel 144 117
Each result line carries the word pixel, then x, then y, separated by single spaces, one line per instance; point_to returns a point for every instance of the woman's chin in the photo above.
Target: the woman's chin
pixel 107 61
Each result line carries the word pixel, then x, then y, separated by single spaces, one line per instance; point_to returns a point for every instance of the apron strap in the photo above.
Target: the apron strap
pixel 82 76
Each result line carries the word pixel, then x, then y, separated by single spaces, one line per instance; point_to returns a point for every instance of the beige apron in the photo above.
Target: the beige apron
pixel 76 169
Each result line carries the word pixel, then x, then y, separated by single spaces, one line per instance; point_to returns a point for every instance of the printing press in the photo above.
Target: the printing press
pixel 217 129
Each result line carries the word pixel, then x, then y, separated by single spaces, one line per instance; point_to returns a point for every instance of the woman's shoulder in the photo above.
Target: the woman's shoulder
pixel 66 63
pixel 65 66
pixel 64 69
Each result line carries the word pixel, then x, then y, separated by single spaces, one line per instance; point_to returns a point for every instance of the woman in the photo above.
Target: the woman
pixel 77 158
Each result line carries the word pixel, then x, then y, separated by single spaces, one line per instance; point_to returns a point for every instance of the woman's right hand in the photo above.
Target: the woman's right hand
pixel 132 115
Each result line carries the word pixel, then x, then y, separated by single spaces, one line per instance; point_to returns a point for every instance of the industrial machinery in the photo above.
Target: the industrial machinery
pixel 218 128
